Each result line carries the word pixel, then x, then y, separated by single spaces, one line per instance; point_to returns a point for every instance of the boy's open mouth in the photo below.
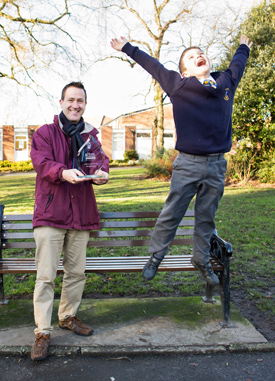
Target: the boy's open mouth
pixel 201 62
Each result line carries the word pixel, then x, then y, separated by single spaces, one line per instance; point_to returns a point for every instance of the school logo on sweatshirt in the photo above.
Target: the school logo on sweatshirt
pixel 226 96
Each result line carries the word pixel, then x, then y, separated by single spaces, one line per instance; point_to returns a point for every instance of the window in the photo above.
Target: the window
pixel 20 142
pixel 168 135
pixel 143 135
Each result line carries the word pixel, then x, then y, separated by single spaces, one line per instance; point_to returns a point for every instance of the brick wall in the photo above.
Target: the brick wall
pixel 106 140
pixel 8 143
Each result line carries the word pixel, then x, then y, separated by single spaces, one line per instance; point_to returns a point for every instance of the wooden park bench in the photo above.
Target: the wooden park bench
pixel 117 230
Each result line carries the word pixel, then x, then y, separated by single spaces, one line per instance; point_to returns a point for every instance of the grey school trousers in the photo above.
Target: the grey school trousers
pixel 192 175
pixel 50 243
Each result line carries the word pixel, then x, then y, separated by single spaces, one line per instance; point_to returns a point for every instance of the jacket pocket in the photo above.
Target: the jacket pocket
pixel 48 202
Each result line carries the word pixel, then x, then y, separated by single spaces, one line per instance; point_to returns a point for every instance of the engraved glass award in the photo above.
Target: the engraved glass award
pixel 90 158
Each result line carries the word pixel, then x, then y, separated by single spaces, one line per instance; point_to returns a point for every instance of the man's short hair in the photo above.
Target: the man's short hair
pixel 182 68
pixel 78 85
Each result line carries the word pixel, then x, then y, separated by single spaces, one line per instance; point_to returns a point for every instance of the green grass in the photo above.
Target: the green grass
pixel 245 218
pixel 116 311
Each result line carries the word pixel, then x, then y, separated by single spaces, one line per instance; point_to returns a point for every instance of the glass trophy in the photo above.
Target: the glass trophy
pixel 90 159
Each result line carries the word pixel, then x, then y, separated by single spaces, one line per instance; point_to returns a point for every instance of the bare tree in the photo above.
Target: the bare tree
pixel 164 28
pixel 36 36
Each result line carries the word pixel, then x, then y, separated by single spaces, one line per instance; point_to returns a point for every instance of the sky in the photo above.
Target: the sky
pixel 113 88
pixel 111 91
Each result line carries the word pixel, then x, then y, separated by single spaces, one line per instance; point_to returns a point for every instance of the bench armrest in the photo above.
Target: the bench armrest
pixel 220 248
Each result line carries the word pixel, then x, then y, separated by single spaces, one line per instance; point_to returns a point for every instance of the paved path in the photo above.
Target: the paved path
pixel 136 326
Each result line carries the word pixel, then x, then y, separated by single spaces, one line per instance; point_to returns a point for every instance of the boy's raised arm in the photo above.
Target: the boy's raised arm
pixel 169 80
pixel 238 62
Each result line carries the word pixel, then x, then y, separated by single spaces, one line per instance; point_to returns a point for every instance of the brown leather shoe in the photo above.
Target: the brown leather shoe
pixel 74 324
pixel 40 348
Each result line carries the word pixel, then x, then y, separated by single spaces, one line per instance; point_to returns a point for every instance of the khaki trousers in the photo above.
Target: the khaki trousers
pixel 50 243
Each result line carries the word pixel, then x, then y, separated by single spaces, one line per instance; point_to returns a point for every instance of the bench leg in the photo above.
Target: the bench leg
pixel 208 298
pixel 225 295
pixel 2 295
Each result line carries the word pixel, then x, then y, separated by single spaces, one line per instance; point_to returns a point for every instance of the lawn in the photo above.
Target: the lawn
pixel 246 218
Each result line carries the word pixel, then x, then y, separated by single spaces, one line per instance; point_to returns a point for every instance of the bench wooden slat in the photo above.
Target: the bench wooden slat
pixel 103 215
pixel 107 264
pixel 135 242
pixel 138 224
pixel 127 224
pixel 133 233
pixel 150 214
pixel 94 243
pixel 103 224
pixel 18 245
pixel 25 235
pixel 103 234
pixel 16 226
pixel 17 217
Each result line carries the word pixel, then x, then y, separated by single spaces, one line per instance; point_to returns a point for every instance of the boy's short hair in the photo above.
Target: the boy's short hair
pixel 78 85
pixel 181 62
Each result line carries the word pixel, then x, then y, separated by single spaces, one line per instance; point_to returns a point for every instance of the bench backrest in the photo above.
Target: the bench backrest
pixel 117 229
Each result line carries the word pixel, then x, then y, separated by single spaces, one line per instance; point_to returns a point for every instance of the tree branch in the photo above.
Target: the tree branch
pixel 21 19
pixel 121 58
pixel 151 34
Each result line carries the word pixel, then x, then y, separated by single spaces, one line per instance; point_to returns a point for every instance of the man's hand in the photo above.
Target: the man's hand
pixel 245 40
pixel 71 175
pixel 101 180
pixel 118 44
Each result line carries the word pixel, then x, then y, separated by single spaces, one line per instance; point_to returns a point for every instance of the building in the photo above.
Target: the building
pixel 15 142
pixel 132 131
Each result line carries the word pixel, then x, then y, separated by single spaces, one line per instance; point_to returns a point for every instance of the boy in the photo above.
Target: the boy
pixel 202 106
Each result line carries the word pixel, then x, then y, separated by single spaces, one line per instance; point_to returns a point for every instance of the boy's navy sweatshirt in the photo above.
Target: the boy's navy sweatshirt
pixel 202 114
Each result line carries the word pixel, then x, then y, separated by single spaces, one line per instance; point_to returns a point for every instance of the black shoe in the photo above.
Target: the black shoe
pixel 207 272
pixel 150 269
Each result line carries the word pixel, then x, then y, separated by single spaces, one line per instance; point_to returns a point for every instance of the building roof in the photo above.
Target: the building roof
pixel 109 120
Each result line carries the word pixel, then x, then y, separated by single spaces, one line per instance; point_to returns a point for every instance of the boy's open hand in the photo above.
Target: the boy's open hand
pixel 118 44
pixel 245 40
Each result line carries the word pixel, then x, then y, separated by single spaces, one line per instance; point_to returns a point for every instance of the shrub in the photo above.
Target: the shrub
pixel 244 163
pixel 17 166
pixel 161 164
pixel 266 173
pixel 6 164
pixel 130 154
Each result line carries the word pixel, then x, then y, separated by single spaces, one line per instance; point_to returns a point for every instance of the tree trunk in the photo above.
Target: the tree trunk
pixel 158 141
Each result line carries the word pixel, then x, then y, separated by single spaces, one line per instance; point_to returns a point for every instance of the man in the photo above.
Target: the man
pixel 65 211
